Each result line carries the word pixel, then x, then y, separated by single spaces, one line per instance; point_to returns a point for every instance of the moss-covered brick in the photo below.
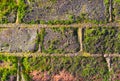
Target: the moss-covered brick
pixel 45 40
pixel 81 68
pixel 63 12
pixel 115 65
pixel 116 11
pixel 60 40
pixel 8 68
pixel 101 40
pixel 8 10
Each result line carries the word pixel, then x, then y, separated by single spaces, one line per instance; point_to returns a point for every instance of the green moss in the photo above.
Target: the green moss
pixel 52 49
pixel 106 40
pixel 83 67
pixel 60 29
pixel 115 68
pixel 118 1
pixel 26 76
pixel 40 38
pixel 53 1
pixel 106 2
pixel 21 10
pixel 5 45
pixel 6 7
pixel 116 10
pixel 9 69
pixel 54 43
pixel 71 20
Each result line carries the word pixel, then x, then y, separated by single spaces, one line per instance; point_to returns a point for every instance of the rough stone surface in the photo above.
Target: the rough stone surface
pixel 18 40
pixel 63 9
pixel 61 40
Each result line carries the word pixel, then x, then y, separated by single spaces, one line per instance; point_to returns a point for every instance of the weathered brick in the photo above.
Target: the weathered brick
pixel 102 40
pixel 18 40
pixel 68 10
pixel 60 40
pixel 116 6
pixel 8 68
pixel 8 11
pixel 81 68
pixel 115 65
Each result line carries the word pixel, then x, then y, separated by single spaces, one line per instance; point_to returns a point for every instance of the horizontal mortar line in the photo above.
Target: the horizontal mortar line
pixel 79 25
pixel 42 54
pixel 66 55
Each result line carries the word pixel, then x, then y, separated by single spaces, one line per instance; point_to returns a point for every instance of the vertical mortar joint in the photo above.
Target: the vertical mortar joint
pixel 80 38
pixel 17 18
pixel 108 60
pixel 110 10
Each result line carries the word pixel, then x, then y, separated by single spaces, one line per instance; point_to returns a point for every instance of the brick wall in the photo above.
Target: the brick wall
pixel 81 35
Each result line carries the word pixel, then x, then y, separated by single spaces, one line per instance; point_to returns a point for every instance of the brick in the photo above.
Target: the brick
pixel 8 11
pixel 115 65
pixel 116 6
pixel 8 68
pixel 52 11
pixel 61 40
pixel 81 68
pixel 18 40
pixel 102 40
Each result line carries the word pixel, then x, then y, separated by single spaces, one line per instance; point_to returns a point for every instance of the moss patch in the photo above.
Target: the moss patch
pixel 7 11
pixel 115 65
pixel 116 11
pixel 8 67
pixel 101 40
pixel 21 10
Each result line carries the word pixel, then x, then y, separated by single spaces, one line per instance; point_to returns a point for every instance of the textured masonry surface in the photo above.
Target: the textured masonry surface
pixel 50 40
pixel 52 11
pixel 102 40
pixel 63 9
pixel 96 40
pixel 18 40
pixel 67 40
